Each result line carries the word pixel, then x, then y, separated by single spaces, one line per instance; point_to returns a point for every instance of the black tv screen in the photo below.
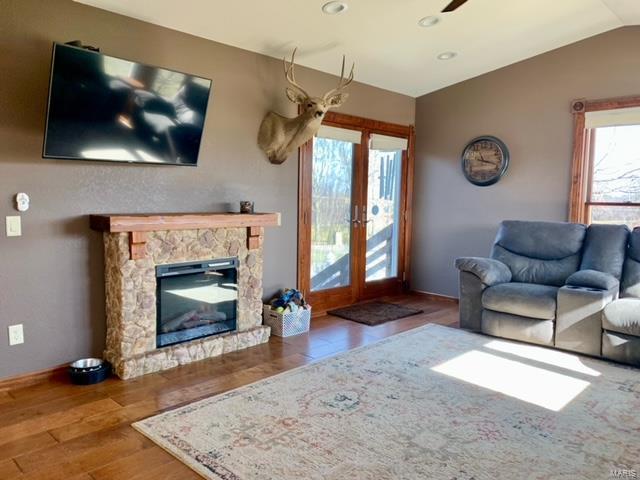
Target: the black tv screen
pixel 107 108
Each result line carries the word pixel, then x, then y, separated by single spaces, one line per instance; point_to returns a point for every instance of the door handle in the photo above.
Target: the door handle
pixel 364 215
pixel 355 220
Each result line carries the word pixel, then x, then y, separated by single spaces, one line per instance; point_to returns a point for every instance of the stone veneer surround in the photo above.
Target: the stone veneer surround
pixel 131 297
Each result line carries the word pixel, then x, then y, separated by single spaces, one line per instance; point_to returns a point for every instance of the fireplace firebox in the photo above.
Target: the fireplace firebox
pixel 195 300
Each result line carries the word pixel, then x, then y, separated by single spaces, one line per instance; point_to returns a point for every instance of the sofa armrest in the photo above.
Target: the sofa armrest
pixel 593 279
pixel 489 271
pixel 579 318
pixel 470 294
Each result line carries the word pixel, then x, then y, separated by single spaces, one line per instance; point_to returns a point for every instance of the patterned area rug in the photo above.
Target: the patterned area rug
pixel 431 403
pixel 374 313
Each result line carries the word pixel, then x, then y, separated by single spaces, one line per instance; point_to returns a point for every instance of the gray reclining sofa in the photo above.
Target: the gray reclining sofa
pixel 558 284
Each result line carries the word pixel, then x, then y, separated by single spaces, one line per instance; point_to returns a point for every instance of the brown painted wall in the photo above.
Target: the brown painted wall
pixel 51 279
pixel 527 106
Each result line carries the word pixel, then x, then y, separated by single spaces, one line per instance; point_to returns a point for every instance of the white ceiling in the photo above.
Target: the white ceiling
pixel 390 50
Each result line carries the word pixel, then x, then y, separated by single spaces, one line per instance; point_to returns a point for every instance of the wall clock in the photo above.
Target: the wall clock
pixel 485 160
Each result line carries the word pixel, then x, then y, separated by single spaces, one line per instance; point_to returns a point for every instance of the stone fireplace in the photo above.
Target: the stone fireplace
pixel 138 248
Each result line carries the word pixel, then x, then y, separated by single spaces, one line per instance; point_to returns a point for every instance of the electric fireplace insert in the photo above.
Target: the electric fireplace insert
pixel 195 300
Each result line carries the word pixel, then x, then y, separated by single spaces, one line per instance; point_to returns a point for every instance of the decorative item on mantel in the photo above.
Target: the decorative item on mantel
pixel 246 206
pixel 136 246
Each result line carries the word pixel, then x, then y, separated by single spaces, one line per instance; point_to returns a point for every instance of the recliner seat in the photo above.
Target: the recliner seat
pixel 526 299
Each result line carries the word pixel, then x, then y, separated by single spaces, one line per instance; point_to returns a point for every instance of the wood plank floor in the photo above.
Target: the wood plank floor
pixel 55 430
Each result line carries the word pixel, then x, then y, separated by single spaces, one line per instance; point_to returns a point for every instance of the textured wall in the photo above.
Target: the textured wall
pixel 51 279
pixel 527 106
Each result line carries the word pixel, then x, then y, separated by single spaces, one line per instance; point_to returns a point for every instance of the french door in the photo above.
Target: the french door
pixel 354 205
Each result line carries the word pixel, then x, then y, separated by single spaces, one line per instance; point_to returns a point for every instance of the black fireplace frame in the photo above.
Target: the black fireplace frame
pixel 189 268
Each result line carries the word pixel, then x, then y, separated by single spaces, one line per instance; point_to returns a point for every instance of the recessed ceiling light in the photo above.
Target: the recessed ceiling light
pixel 429 21
pixel 332 8
pixel 447 55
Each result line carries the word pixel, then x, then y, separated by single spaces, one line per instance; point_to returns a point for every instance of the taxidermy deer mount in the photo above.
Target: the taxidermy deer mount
pixel 279 136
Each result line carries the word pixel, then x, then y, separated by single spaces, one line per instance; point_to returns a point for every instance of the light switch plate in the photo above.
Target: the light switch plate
pixel 14 226
pixel 16 334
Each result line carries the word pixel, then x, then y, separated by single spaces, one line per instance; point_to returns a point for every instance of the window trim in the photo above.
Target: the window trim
pixel 580 203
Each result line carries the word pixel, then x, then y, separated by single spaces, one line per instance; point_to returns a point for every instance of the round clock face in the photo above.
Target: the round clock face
pixel 485 160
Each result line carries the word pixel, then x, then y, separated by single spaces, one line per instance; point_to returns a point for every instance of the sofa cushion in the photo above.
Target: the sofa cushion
pixel 605 248
pixel 540 252
pixel 623 316
pixel 543 240
pixel 517 328
pixel 631 274
pixel 524 299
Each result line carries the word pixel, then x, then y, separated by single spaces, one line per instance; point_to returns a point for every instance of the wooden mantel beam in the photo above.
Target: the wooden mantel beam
pixel 154 222
pixel 137 225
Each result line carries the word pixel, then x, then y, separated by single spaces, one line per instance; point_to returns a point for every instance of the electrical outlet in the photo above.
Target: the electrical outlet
pixel 14 226
pixel 16 334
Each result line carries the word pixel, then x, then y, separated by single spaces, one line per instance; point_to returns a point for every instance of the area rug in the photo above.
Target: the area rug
pixel 431 403
pixel 374 313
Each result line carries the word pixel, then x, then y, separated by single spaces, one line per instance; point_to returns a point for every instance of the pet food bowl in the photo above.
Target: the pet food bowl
pixel 88 371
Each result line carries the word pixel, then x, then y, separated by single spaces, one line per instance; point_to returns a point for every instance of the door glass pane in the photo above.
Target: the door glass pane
pixel 383 214
pixel 332 179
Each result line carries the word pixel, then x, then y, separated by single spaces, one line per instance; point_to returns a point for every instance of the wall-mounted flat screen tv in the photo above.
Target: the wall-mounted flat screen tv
pixel 107 108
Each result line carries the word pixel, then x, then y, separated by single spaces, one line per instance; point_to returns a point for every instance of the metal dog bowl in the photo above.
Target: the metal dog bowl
pixel 87 364
pixel 88 371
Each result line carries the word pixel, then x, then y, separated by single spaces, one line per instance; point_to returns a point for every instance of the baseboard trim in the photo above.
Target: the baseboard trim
pixel 28 379
pixel 436 296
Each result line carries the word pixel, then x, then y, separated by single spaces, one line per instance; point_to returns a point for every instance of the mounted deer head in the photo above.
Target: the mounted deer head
pixel 279 136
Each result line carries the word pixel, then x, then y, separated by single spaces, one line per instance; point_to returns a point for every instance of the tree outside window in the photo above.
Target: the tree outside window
pixel 615 178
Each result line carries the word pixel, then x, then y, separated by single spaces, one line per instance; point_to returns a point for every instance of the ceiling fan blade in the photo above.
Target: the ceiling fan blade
pixel 455 4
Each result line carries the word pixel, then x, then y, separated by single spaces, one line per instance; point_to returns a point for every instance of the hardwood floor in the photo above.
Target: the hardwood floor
pixel 55 430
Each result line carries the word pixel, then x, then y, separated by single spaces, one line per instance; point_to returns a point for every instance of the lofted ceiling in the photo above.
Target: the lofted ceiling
pixel 383 37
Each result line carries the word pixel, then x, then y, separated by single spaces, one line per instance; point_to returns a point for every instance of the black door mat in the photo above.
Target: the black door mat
pixel 374 313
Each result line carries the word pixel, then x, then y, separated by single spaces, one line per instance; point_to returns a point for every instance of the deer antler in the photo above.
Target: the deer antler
pixel 342 83
pixel 290 74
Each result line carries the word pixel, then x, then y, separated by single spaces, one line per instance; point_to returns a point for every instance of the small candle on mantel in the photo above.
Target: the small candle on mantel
pixel 246 206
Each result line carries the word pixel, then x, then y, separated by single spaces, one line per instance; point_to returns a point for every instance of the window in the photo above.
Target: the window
pixel 606 164
pixel 116 67
pixel 615 178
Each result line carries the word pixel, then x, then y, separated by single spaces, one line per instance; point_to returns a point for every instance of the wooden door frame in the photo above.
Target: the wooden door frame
pixel 366 126
pixel 338 295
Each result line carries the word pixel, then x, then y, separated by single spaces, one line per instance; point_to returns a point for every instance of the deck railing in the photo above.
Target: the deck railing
pixel 379 252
